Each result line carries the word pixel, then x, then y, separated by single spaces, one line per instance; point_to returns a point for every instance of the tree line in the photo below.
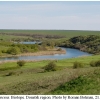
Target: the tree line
pixel 89 43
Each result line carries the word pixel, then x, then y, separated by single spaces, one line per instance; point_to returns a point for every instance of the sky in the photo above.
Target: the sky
pixel 47 15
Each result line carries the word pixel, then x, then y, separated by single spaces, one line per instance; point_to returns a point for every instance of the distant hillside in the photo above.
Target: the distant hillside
pixel 66 33
pixel 89 43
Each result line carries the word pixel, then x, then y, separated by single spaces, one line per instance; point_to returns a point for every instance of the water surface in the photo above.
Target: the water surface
pixel 33 42
pixel 70 53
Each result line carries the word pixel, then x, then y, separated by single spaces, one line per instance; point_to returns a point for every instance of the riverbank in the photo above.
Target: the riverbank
pixel 54 54
pixel 40 53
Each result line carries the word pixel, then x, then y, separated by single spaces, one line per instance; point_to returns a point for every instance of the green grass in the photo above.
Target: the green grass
pixel 9 37
pixel 67 33
pixel 83 85
pixel 31 78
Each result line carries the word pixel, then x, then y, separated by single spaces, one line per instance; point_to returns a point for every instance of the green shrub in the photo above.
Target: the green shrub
pixel 95 63
pixel 74 86
pixel 77 65
pixel 10 74
pixel 50 67
pixel 13 50
pixel 21 63
pixel 0 53
pixel 4 51
pixel 92 63
pixel 98 63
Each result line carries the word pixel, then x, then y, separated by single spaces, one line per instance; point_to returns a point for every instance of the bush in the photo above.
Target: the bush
pixel 92 63
pixel 95 63
pixel 50 67
pixel 13 50
pixel 0 53
pixel 74 86
pixel 77 65
pixel 98 63
pixel 10 74
pixel 21 63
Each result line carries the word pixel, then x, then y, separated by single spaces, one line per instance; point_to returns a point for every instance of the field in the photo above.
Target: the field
pixel 34 77
pixel 65 33
pixel 31 78
pixel 69 33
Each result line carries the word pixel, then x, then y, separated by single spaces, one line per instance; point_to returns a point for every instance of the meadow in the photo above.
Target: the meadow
pixel 65 33
pixel 34 77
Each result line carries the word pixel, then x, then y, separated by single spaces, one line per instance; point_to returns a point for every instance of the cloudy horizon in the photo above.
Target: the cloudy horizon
pixel 45 15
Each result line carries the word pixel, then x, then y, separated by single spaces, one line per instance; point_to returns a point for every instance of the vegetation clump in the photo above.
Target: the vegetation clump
pixel 95 63
pixel 21 63
pixel 78 65
pixel 92 64
pixel 13 50
pixel 50 67
pixel 10 74
pixel 90 43
pixel 74 86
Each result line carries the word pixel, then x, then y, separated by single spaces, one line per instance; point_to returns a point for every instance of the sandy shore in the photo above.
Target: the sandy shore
pixel 40 53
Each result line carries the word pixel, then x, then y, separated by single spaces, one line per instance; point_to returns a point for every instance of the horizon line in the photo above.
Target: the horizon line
pixel 52 29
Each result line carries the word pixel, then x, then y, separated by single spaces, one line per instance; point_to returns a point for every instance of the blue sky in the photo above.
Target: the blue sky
pixel 50 15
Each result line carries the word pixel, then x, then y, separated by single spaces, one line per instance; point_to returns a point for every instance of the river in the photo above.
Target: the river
pixel 70 53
